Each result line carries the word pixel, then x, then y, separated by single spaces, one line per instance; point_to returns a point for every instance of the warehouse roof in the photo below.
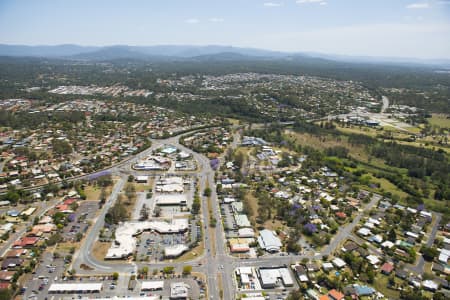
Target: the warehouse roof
pixel 75 287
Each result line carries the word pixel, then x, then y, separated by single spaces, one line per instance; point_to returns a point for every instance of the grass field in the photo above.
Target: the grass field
pixel 357 152
pixel 142 187
pixel 380 284
pixel 387 186
pixel 439 120
pixel 92 193
pixel 399 136
pixel 66 247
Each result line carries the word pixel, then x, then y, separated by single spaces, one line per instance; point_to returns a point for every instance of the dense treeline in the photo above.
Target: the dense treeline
pixel 232 108
pixel 20 120
pixel 117 118
pixel 420 162
pixel 436 100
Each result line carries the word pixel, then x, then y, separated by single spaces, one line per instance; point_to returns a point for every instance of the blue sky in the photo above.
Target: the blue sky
pixel 394 28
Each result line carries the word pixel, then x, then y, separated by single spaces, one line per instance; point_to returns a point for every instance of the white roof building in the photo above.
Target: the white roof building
pixel 327 266
pixel 152 285
pixel 228 200
pixel 373 260
pixel 364 231
pixel 175 250
pixel 125 242
pixel 430 285
pixel 269 241
pixel 242 220
pixel 387 244
pixel 142 178
pixel 339 263
pixel 246 233
pixel 237 207
pixel 179 290
pixel 171 199
pixel 270 277
pixel 75 287
pixel 170 188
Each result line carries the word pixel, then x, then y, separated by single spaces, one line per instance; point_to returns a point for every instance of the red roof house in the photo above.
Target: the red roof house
pixel 26 242
pixel 336 295
pixel 387 268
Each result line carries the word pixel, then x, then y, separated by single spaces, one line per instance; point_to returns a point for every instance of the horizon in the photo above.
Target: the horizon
pixel 404 29
pixel 317 54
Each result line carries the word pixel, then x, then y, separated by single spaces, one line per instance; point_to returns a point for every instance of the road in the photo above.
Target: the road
pixel 83 255
pixel 346 231
pixel 418 268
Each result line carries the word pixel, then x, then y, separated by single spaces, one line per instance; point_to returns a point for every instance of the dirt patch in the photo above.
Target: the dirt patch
pixel 273 225
pixel 100 249
pixel 92 193
pixel 66 247
pixel 252 202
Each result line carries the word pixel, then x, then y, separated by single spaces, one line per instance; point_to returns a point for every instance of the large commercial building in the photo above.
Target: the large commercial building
pixel 273 277
pixel 74 288
pixel 269 241
pixel 125 242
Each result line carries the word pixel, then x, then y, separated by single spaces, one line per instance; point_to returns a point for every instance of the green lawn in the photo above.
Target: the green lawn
pixel 380 284
pixel 387 186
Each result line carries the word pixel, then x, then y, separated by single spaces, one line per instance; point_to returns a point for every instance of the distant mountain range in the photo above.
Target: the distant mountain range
pixel 181 52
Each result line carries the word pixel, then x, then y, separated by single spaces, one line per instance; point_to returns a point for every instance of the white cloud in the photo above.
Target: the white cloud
pixel 216 20
pixel 272 4
pixel 192 21
pixel 320 2
pixel 419 5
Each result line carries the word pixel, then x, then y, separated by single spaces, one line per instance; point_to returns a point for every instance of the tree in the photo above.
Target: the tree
pixel 187 270
pixel 143 271
pixel 207 192
pixel 103 195
pixel 115 276
pixel 61 147
pixel 157 212
pixel 144 213
pixel 130 192
pixel 116 213
pixel 295 295
pixel 78 236
pixel 168 270
pixel 53 239
pixel 5 294
pixel 195 209
pixel 429 253
pixel 12 195
pixel 392 236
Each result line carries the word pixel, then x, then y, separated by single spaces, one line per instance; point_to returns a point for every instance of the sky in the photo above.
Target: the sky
pixel 382 28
